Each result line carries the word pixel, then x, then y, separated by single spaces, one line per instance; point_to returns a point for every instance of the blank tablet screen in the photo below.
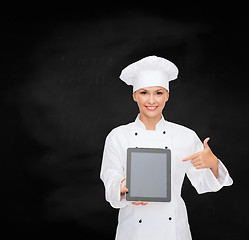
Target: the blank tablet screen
pixel 148 174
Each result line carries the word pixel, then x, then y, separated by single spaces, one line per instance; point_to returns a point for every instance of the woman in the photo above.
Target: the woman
pixel 150 78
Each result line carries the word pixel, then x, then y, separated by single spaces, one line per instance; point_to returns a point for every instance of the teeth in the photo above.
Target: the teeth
pixel 151 108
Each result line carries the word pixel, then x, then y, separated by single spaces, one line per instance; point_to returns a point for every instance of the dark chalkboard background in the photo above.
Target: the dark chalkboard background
pixel 62 95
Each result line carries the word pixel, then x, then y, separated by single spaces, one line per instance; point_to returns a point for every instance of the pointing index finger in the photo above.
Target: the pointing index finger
pixel 190 157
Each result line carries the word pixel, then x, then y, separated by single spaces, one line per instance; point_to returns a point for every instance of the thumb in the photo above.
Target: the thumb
pixel 124 190
pixel 205 143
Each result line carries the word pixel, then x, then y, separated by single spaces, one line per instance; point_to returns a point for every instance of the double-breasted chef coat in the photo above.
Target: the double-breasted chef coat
pixel 157 220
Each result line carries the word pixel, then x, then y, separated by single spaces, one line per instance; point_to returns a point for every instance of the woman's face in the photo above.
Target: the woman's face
pixel 151 100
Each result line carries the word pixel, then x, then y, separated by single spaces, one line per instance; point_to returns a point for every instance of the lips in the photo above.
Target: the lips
pixel 151 108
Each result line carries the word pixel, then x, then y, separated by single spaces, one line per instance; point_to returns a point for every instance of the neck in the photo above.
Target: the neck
pixel 150 123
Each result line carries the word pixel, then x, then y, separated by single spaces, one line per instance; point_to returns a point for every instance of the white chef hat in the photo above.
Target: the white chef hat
pixel 148 72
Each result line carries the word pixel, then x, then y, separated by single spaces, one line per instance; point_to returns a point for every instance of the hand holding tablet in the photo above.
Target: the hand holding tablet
pixel 124 189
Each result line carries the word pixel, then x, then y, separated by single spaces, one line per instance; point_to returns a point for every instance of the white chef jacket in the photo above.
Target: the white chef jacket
pixel 157 220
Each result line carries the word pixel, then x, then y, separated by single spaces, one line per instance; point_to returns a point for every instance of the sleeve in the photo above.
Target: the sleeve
pixel 203 179
pixel 112 173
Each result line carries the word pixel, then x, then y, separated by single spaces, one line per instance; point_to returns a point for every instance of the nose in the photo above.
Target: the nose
pixel 151 99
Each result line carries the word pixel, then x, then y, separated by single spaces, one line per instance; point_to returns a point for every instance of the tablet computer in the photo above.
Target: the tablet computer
pixel 148 175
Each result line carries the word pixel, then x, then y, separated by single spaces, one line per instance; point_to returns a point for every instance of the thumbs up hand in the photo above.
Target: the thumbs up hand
pixel 204 159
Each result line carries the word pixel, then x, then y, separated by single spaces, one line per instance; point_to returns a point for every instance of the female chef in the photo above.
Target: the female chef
pixel 150 78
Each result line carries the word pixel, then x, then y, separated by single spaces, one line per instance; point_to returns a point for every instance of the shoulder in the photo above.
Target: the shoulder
pixel 120 131
pixel 181 131
pixel 186 136
pixel 180 128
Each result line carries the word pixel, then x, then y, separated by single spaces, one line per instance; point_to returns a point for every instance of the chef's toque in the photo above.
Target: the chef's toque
pixel 148 72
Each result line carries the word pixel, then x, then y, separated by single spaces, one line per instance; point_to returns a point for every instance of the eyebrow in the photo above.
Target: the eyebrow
pixel 142 89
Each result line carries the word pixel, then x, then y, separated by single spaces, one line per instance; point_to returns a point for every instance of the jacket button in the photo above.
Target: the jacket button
pixel 170 218
pixel 164 132
pixel 136 134
pixel 140 221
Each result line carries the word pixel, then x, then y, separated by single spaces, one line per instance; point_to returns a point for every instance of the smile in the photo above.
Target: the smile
pixel 151 108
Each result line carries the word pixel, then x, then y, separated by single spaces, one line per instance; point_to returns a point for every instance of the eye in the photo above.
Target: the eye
pixel 143 92
pixel 159 93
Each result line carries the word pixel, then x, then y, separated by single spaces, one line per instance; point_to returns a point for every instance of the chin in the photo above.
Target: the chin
pixel 152 114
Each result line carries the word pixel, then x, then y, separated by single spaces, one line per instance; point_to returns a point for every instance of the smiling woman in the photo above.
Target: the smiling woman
pixel 150 78
pixel 151 102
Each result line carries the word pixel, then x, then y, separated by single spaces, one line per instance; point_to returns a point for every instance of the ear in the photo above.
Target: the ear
pixel 134 96
pixel 167 96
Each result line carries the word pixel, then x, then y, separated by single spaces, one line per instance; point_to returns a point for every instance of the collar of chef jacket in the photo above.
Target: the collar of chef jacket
pixel 161 125
pixel 158 138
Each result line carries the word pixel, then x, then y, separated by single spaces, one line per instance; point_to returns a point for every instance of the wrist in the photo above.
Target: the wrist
pixel 214 168
pixel 216 163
